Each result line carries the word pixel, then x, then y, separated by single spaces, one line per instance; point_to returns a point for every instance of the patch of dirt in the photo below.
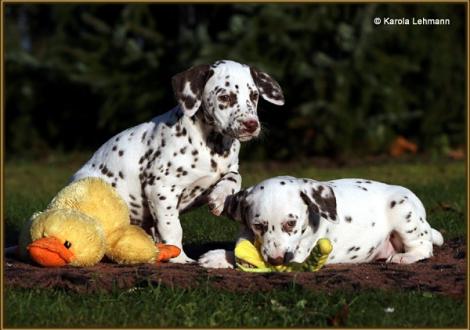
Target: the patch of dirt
pixel 445 273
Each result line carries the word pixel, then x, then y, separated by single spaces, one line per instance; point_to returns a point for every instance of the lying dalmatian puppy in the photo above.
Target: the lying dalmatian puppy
pixel 365 221
pixel 189 155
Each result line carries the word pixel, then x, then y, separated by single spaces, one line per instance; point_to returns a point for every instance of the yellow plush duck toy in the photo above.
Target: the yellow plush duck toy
pixel 249 259
pixel 85 221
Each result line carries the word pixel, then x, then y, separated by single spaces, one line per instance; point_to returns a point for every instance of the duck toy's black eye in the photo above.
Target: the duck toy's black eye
pixel 67 244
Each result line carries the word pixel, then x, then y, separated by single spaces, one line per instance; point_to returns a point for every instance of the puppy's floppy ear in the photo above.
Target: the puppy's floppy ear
pixel 236 206
pixel 320 199
pixel 267 86
pixel 188 87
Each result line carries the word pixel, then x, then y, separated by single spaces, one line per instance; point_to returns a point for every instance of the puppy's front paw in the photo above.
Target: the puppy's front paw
pixel 227 186
pixel 217 201
pixel 217 259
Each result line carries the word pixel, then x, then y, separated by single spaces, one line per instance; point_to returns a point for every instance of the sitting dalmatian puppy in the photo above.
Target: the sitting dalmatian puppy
pixel 189 155
pixel 364 220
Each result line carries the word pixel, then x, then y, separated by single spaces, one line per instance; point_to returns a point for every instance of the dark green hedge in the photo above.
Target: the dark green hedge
pixel 77 74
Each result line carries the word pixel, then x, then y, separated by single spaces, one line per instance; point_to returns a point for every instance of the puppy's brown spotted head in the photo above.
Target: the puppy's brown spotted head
pixel 228 93
pixel 282 212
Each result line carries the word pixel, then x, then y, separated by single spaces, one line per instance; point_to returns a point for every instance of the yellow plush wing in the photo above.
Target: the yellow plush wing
pixel 249 259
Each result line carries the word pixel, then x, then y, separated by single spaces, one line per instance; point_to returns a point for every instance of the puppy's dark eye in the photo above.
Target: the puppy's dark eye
pixel 224 98
pixel 291 223
pixel 258 227
pixel 67 244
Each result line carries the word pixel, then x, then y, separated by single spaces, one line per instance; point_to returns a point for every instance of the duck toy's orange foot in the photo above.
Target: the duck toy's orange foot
pixel 167 252
pixel 50 252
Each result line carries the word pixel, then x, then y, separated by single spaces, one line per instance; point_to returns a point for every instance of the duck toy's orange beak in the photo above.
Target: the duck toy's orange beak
pixel 50 252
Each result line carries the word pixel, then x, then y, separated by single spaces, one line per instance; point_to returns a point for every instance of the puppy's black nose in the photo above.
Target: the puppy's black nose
pixel 288 257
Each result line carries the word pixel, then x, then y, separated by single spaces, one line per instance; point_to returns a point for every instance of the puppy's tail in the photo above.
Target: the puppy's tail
pixel 437 238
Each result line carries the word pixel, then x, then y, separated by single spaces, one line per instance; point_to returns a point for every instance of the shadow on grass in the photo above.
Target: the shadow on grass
pixel 11 235
pixel 194 251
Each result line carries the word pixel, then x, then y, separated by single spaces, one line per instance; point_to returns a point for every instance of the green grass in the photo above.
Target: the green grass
pixel 202 307
pixel 30 186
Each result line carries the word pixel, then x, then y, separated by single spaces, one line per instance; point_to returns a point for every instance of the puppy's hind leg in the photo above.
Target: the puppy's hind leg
pixel 408 217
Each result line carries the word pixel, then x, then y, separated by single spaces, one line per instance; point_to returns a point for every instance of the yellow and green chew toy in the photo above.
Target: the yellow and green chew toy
pixel 249 259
